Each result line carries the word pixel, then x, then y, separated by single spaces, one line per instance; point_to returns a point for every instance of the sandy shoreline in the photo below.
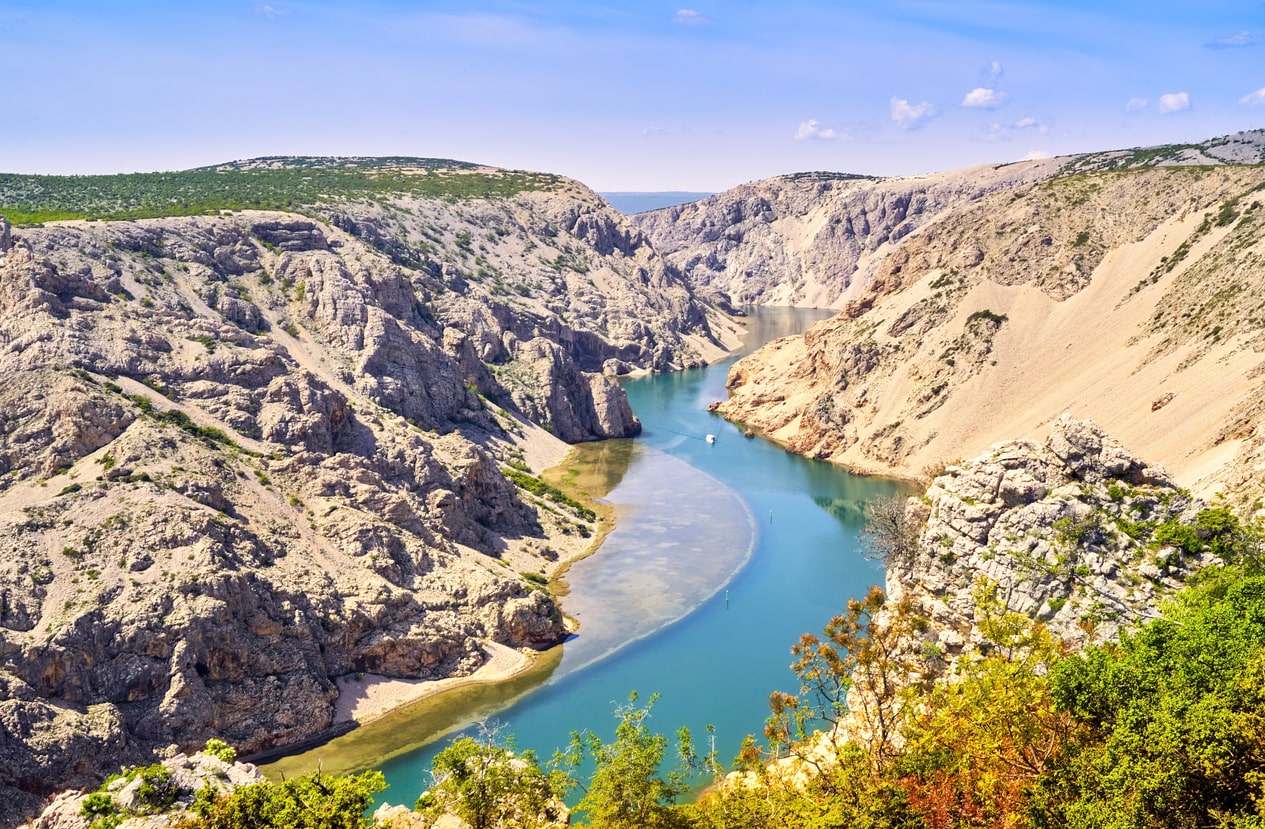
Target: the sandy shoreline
pixel 366 697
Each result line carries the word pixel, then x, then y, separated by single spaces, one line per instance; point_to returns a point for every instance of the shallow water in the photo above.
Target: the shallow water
pixel 722 555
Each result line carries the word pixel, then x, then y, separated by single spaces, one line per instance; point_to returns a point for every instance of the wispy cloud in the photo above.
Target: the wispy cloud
pixel 909 116
pixel 982 98
pixel 1174 102
pixel 1254 99
pixel 812 128
pixel 689 17
pixel 1035 155
pixel 1136 104
pixel 1235 41
pixel 264 10
pixel 998 131
pixel 993 73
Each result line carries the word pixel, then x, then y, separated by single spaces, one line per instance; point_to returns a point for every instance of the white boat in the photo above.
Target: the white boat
pixel 711 438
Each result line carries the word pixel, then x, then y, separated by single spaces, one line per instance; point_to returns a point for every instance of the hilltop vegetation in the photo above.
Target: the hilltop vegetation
pixel 290 184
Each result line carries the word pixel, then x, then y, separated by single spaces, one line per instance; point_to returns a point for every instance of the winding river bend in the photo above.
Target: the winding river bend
pixel 722 555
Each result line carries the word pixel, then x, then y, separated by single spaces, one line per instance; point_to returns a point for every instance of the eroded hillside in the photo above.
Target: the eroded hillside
pixel 1131 297
pixel 248 452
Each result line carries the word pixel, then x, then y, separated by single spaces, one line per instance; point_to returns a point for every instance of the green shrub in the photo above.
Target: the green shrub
pixel 157 790
pixel 1173 533
pixel 314 801
pixel 536 486
pixel 220 750
pixel 101 810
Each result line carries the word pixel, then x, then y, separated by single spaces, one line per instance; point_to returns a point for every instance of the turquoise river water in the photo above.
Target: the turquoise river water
pixel 722 555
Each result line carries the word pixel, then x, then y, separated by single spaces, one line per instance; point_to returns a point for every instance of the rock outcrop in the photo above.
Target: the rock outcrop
pixel 174 782
pixel 1067 531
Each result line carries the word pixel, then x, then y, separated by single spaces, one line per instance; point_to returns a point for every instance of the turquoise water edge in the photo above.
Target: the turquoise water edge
pixel 722 555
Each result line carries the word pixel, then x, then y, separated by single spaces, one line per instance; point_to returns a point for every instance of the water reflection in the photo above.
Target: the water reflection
pixel 594 469
pixel 680 535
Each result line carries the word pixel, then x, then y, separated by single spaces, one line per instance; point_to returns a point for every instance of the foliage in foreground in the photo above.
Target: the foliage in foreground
pixel 487 784
pixel 314 801
pixel 1164 729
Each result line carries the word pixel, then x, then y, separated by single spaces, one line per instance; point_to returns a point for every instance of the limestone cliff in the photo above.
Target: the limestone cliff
pixel 813 238
pixel 818 239
pixel 1067 530
pixel 243 454
pixel 1129 296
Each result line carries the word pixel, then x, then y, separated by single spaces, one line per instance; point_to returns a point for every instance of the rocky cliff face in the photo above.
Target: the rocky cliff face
pixel 1128 297
pixel 819 239
pixel 1066 531
pixel 242 455
pixel 811 239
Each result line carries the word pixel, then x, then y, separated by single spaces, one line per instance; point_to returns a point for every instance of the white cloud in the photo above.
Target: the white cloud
pixel 1030 123
pixel 997 131
pixel 812 128
pixel 1174 102
pixel 1233 41
pixel 982 98
pixel 1036 155
pixel 268 11
pixel 994 70
pixel 650 131
pixel 689 17
pixel 1136 105
pixel 909 116
pixel 1255 99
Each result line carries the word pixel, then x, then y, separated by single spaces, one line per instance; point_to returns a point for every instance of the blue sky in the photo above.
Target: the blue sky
pixel 684 95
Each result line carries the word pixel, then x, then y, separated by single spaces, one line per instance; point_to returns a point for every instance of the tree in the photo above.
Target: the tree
pixel 862 671
pixel 891 535
pixel 626 790
pixel 487 785
pixel 974 748
pixel 1176 712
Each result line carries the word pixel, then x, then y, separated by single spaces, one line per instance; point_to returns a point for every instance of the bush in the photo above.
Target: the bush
pixel 488 785
pixel 220 750
pixel 314 801
pixel 101 810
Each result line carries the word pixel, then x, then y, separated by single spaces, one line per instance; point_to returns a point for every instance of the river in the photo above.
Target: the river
pixel 722 555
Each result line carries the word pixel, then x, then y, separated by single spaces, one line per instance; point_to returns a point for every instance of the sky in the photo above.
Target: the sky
pixel 631 95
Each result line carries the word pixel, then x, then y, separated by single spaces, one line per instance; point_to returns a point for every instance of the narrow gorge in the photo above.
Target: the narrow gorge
pixel 250 444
